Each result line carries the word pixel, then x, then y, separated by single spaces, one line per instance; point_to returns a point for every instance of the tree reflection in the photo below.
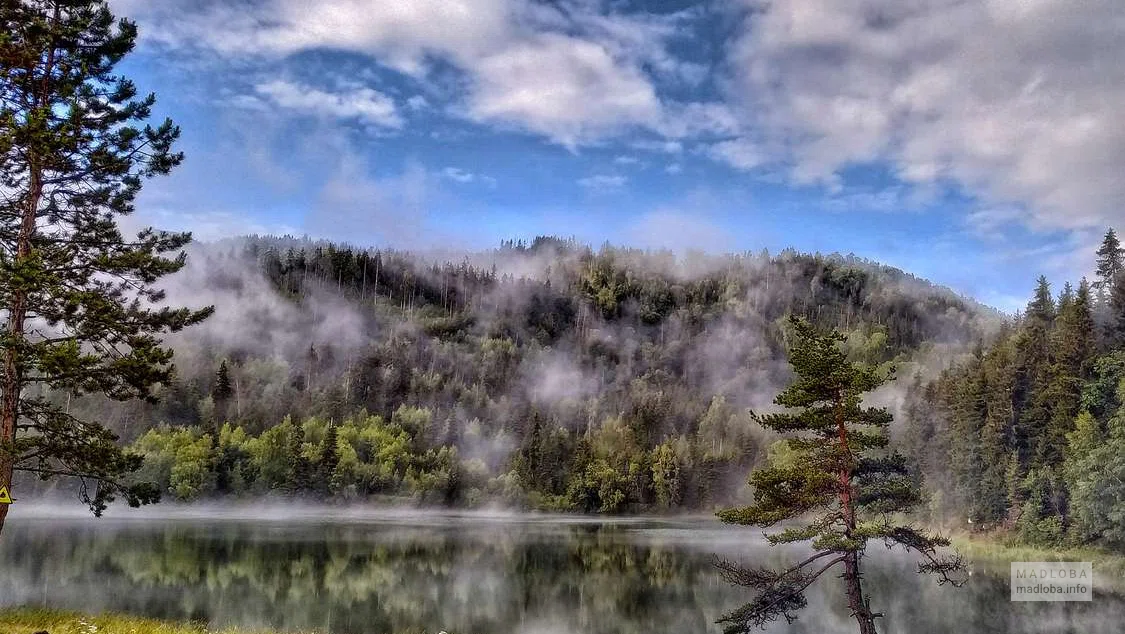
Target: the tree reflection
pixel 463 577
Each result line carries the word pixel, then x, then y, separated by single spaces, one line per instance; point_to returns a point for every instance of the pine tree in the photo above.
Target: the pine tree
pixel 329 460
pixel 1114 313
pixel 844 483
pixel 968 410
pixel 72 160
pixel 1033 373
pixel 221 395
pixel 223 390
pixel 300 467
pixel 1071 358
pixel 1111 263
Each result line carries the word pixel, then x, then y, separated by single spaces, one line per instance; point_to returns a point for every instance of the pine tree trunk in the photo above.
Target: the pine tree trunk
pixel 17 314
pixel 856 601
pixel 852 574
pixel 13 378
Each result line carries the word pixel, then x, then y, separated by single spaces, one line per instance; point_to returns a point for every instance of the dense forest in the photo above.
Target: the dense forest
pixel 1028 434
pixel 547 375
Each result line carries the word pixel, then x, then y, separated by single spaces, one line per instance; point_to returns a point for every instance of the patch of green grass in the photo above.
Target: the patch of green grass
pixel 995 552
pixel 32 620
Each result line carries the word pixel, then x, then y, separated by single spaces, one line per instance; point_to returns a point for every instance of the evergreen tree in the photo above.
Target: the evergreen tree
pixel 967 414
pixel 1111 262
pixel 72 160
pixel 1115 314
pixel 223 389
pixel 221 395
pixel 844 483
pixel 996 433
pixel 329 460
pixel 1033 373
pixel 1071 357
pixel 300 467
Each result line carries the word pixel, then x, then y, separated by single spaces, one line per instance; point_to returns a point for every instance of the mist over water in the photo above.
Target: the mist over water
pixel 351 570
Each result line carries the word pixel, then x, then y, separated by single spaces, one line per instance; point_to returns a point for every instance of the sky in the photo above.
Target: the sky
pixel 976 143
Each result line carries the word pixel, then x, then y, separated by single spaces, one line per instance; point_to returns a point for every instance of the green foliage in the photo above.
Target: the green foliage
pixel 74 151
pixel 1028 424
pixel 832 480
pixel 614 354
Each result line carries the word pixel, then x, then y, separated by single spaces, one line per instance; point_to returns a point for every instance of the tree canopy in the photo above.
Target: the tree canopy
pixel 841 486
pixel 82 312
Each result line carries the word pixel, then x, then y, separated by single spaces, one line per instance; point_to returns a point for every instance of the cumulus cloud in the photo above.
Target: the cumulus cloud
pixel 572 72
pixel 566 88
pixel 363 104
pixel 1018 102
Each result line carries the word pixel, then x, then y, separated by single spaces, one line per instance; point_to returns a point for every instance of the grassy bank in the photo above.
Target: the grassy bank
pixel 32 620
pixel 996 552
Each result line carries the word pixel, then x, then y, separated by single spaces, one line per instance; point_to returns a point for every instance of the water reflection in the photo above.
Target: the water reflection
pixel 471 575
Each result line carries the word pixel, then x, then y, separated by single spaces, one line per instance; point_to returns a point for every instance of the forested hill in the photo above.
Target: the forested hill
pixel 547 374
pixel 1028 434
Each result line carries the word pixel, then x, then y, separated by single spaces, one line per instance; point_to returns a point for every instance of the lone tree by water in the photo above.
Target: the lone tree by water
pixel 842 482
pixel 77 297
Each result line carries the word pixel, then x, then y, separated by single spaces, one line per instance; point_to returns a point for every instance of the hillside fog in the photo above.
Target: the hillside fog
pixel 549 375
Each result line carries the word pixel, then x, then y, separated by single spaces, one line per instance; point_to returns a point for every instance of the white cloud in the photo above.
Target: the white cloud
pixel 569 89
pixel 674 168
pixel 463 176
pixel 364 104
pixel 575 73
pixel 625 160
pixel 1019 102
pixel 739 153
pixel 458 174
pixel 602 181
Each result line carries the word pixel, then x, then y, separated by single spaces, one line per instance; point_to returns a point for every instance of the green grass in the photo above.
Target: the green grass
pixel 996 553
pixel 32 620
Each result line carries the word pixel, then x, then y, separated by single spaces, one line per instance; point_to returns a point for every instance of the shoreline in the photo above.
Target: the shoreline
pixel 27 620
pixel 995 553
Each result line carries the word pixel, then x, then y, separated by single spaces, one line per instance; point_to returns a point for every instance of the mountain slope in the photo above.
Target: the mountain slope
pixel 546 373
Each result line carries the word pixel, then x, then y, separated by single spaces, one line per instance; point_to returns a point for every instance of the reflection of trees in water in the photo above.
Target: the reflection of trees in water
pixel 343 579
pixel 477 579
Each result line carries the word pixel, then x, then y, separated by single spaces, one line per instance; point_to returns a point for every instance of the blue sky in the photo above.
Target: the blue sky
pixel 976 143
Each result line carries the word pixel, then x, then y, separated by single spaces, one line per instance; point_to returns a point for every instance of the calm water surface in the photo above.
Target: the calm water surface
pixel 396 572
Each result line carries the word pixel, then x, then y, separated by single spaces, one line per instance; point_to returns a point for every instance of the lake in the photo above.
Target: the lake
pixel 384 572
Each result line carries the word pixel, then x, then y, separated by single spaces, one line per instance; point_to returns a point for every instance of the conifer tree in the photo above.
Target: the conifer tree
pixel 77 296
pixel 1033 373
pixel 329 460
pixel 1114 314
pixel 1071 358
pixel 1111 262
pixel 967 414
pixel 844 483
pixel 221 396
pixel 300 467
pixel 223 390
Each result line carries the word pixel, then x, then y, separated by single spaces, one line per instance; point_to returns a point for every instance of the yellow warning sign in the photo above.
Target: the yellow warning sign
pixel 5 498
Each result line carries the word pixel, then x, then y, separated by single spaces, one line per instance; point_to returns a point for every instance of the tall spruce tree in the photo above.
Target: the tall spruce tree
pixel 844 483
pixel 78 297
pixel 1111 263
